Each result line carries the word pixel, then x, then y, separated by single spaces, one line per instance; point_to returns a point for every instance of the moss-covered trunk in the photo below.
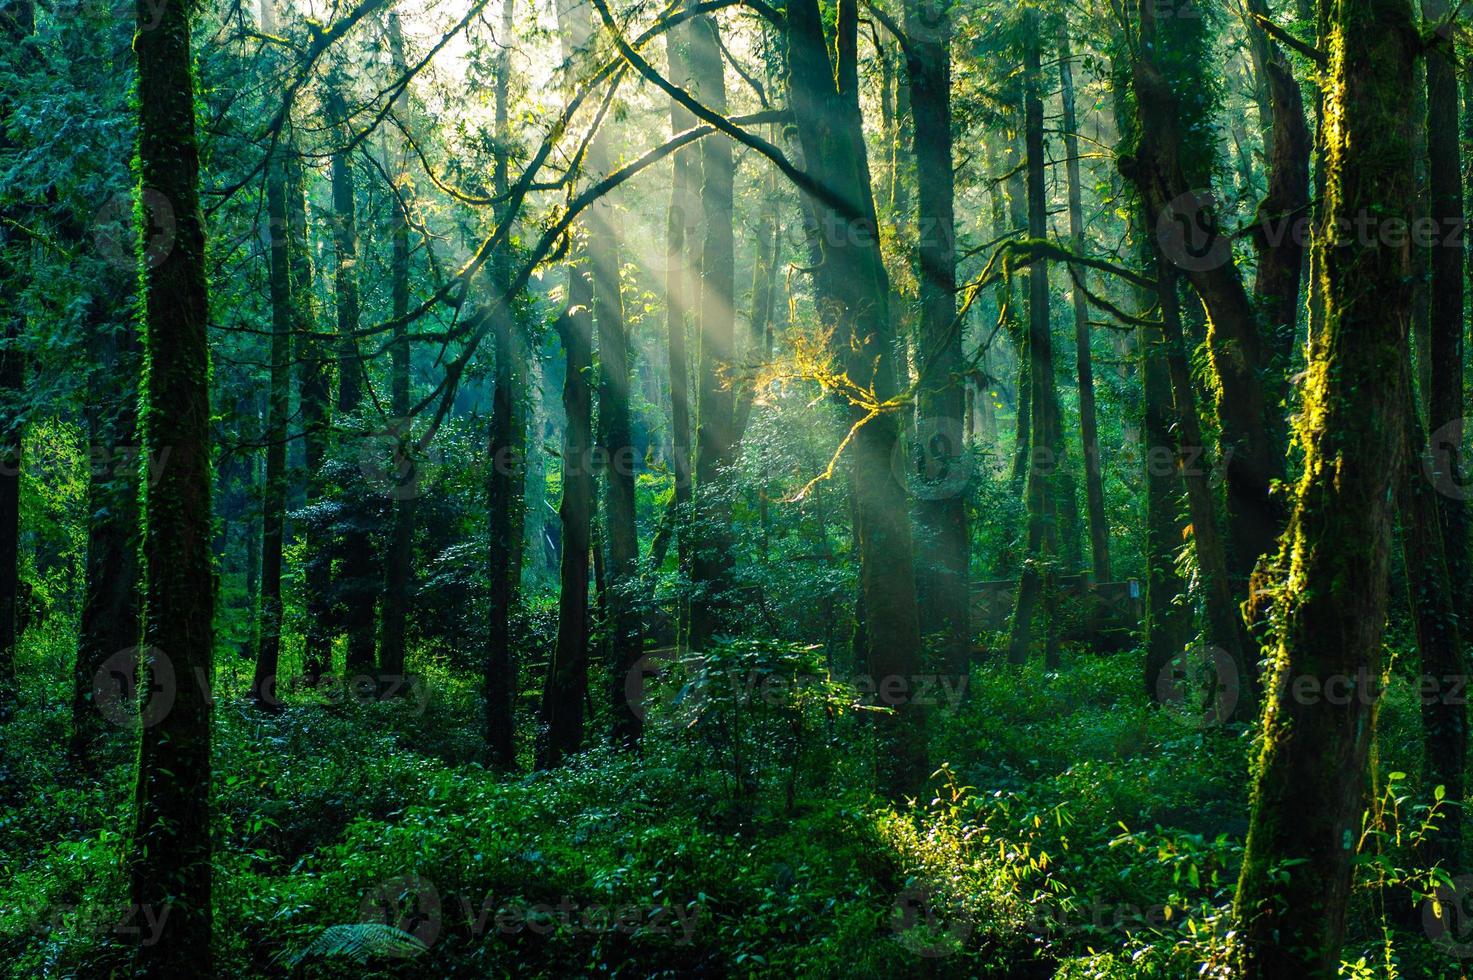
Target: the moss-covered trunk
pixel 1310 773
pixel 169 866
pixel 853 294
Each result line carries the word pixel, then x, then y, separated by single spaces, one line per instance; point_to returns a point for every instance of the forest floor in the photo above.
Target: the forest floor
pixel 1077 831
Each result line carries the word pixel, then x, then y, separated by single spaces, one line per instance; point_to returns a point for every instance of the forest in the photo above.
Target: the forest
pixel 735 488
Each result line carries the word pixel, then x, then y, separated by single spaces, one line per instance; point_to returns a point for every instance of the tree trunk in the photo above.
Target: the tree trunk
pixel 17 23
pixel 316 396
pixel 711 601
pixel 1225 634
pixel 567 673
pixel 853 294
pixel 273 501
pixel 1045 459
pixel 356 585
pixel 940 402
pixel 506 488
pixel 1445 401
pixel 1099 527
pixel 1171 169
pixel 170 857
pixel 1439 640
pixel 399 569
pixel 1309 792
pixel 680 227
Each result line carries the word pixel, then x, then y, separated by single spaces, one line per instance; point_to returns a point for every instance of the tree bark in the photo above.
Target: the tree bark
pixel 1310 786
pixel 1439 640
pixel 506 488
pixel 357 586
pixel 1099 527
pixel 316 414
pixel 567 674
pixel 943 540
pixel 853 294
pixel 273 502
pixel 1045 459
pixel 17 24
pixel 170 856
pixel 111 621
pixel 711 566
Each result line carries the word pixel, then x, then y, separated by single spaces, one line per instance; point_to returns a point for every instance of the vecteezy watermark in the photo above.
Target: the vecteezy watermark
pixel 101 463
pixel 135 687
pixel 412 904
pixel 677 690
pixel 1365 688
pixel 138 686
pixel 1190 238
pixel 927 924
pixel 940 464
pixel 1447 917
pixel 1199 687
pixel 393 462
pixel 116 235
pixel 141 925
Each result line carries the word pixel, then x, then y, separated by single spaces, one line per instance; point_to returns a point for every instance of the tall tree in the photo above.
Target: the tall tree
pixel 853 295
pixel 563 695
pixel 1310 772
pixel 111 603
pixel 942 533
pixel 357 585
pixel 1099 527
pixel 1037 575
pixel 681 224
pixel 170 855
pixel 399 569
pixel 315 388
pixel 273 502
pixel 710 609
pixel 506 487
pixel 17 23
pixel 614 356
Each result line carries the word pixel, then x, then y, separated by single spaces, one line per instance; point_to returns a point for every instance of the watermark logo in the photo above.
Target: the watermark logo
pixel 115 234
pixel 650 687
pixel 942 464
pixel 1187 235
pixel 409 903
pixel 927 925
pixel 135 687
pixel 1447 917
pixel 1199 687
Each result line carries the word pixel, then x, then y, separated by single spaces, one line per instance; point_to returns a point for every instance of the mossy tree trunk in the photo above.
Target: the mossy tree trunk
pixel 399 568
pixel 1099 527
pixel 170 859
pixel 853 294
pixel 1310 773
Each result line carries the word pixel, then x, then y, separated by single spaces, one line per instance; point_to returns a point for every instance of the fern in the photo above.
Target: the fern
pixel 361 942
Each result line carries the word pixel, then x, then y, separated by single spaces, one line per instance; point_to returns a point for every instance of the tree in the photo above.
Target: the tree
pixel 170 852
pixel 1310 771
pixel 506 487
pixel 941 513
pixel 853 295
